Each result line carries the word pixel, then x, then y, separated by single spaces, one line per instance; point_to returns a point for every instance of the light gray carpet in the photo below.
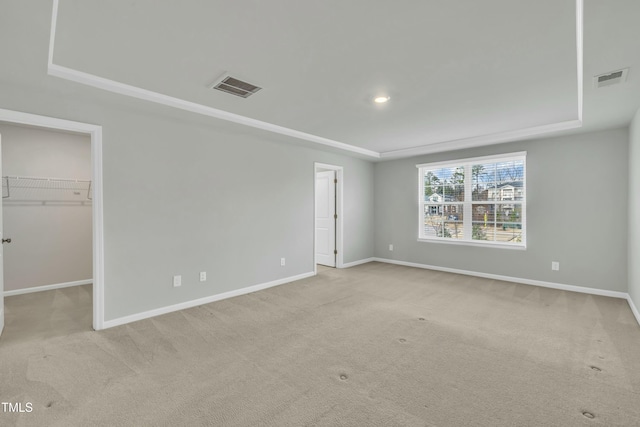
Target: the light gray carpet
pixel 374 345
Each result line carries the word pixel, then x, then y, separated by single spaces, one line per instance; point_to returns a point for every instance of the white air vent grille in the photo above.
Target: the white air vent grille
pixel 611 78
pixel 236 87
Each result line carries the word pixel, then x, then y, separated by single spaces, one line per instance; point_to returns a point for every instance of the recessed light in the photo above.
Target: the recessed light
pixel 381 99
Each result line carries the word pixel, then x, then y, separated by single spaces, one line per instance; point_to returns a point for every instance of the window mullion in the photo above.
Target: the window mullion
pixel 468 206
pixel 421 202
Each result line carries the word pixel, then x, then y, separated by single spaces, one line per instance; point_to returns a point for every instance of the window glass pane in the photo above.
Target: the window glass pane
pixel 432 182
pixel 444 221
pixel 455 176
pixel 451 175
pixel 483 177
pixel 435 179
pixel 480 231
pixel 453 221
pixel 510 213
pixel 430 210
pixel 433 224
pixel 499 222
pixel 483 212
pixel 433 194
pixel 509 232
pixel 453 193
pixel 509 172
pixel 493 192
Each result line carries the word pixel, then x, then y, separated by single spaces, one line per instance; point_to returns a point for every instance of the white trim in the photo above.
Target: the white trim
pixel 634 309
pixel 560 286
pixel 504 157
pixel 579 53
pixel 486 244
pixel 98 229
pixel 47 287
pixel 467 206
pixel 496 138
pixel 483 140
pixel 45 121
pixel 326 166
pixel 201 301
pixel 340 220
pixel 95 132
pixel 205 110
pixel 359 262
pixel 52 34
pixel 339 211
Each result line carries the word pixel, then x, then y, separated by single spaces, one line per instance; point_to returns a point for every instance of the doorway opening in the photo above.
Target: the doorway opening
pixel 46 215
pixel 59 195
pixel 328 216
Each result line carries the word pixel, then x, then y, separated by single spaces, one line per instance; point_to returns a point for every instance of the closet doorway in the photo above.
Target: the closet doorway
pixel 47 223
pixel 52 206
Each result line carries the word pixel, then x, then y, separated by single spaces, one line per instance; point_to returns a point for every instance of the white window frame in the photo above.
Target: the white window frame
pixel 467 205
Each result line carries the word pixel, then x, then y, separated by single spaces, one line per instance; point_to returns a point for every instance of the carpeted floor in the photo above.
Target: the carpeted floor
pixel 373 345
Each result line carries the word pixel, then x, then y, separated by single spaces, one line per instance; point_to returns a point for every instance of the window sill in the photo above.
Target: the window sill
pixel 496 245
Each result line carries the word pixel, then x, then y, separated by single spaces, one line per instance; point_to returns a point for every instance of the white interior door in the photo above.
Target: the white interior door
pixel 1 254
pixel 325 218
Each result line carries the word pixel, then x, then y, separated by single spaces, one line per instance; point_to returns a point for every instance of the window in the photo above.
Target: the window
pixel 477 201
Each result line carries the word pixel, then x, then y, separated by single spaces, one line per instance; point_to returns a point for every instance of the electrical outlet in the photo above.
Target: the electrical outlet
pixel 282 262
pixel 555 265
pixel 203 276
pixel 390 247
pixel 177 281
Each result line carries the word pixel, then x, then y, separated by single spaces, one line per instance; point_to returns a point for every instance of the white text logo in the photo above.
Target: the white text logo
pixel 16 407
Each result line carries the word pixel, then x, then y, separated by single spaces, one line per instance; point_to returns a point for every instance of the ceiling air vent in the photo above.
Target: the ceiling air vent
pixel 235 86
pixel 612 78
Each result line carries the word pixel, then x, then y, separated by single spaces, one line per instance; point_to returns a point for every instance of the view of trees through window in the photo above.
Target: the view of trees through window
pixel 478 200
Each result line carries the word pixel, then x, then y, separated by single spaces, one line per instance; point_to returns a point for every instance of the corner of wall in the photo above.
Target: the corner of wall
pixel 633 243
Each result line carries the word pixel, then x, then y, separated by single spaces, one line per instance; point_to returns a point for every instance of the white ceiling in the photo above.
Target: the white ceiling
pixel 458 70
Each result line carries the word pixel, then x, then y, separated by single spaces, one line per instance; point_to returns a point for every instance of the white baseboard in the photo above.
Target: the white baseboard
pixel 572 288
pixel 354 263
pixel 47 287
pixel 634 309
pixel 200 301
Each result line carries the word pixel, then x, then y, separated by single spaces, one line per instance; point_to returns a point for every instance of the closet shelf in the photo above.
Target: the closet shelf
pixel 45 189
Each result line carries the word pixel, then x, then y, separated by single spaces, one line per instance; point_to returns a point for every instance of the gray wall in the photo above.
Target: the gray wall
pixel 634 211
pixel 576 213
pixel 181 198
pixel 51 243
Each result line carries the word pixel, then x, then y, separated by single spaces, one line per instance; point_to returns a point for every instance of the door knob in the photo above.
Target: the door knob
pixel 6 241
